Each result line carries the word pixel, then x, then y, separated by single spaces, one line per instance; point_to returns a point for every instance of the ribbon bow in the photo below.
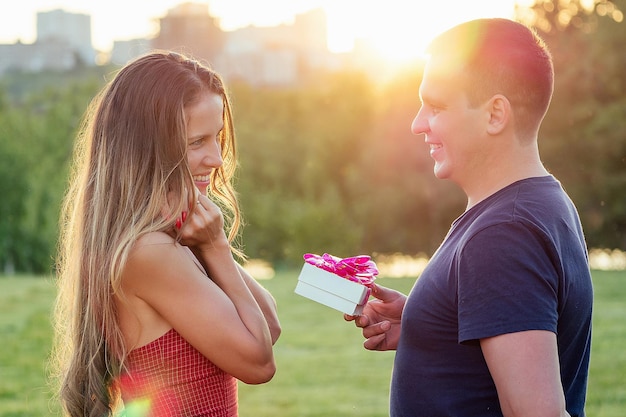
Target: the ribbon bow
pixel 359 269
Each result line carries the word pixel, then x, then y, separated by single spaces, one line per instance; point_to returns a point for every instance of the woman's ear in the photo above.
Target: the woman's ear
pixel 499 108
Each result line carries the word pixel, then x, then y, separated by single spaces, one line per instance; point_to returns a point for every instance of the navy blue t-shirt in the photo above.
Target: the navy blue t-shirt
pixel 516 261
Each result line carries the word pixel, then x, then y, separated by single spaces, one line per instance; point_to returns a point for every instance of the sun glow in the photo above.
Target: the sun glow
pixel 395 29
pixel 398 29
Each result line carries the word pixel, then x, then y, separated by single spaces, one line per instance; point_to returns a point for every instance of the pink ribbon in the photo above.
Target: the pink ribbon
pixel 359 269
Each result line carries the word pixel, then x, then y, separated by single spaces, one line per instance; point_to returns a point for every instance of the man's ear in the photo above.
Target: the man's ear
pixel 499 108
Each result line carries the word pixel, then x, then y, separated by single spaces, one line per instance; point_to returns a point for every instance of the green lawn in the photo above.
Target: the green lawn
pixel 322 368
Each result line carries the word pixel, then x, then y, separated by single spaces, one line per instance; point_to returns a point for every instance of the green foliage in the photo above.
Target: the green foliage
pixel 333 167
pixel 36 139
pixel 570 15
pixel 302 165
pixel 13 191
pixel 322 368
pixel 583 138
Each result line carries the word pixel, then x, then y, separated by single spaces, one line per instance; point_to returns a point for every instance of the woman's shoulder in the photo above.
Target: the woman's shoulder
pixel 153 238
pixel 151 255
pixel 151 246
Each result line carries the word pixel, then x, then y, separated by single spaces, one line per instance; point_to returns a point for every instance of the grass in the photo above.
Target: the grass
pixel 322 368
pixel 607 383
pixel 25 338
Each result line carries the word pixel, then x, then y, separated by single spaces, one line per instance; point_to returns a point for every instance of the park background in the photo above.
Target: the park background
pixel 330 166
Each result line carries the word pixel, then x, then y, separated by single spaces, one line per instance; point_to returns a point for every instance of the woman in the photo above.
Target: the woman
pixel 152 304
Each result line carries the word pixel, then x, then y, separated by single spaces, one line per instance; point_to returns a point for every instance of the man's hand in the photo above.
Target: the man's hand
pixel 380 320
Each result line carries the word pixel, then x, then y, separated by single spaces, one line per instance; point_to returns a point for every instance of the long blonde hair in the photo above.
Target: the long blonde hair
pixel 130 156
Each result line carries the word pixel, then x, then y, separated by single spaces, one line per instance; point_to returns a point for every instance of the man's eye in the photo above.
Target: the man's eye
pixel 434 109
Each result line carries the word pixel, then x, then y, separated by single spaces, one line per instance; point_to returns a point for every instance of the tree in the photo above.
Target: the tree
pixel 13 189
pixel 36 140
pixel 584 134
pixel 300 154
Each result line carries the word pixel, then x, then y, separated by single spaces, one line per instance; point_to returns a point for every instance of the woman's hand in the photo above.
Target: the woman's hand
pixel 202 229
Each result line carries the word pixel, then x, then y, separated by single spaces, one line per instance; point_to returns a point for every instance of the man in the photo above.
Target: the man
pixel 499 323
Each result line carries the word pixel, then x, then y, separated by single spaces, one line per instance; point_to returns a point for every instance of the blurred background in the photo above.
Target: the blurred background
pixel 323 93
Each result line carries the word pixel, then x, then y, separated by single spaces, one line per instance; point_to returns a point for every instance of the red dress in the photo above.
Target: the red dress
pixel 168 377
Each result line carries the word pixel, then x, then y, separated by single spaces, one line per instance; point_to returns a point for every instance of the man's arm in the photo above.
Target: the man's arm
pixel 525 369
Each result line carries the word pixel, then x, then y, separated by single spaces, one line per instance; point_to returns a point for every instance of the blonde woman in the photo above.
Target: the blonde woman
pixel 152 306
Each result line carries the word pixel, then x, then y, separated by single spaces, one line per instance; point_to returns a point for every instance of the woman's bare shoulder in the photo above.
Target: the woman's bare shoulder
pixel 143 279
pixel 154 238
pixel 154 255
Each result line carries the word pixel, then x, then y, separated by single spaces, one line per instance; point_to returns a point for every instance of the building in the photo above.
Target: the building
pixel 277 55
pixel 63 43
pixel 37 57
pixel 189 28
pixel 124 51
pixel 281 55
pixel 73 29
pixel 272 56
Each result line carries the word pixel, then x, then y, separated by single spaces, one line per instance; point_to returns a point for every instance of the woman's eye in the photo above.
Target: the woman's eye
pixel 197 142
pixel 204 139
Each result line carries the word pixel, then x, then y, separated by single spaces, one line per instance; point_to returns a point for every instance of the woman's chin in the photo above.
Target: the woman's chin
pixel 202 187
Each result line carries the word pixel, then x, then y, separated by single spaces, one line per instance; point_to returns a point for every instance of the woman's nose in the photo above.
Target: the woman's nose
pixel 213 157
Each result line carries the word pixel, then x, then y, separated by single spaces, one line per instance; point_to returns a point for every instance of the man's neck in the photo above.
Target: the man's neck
pixel 504 173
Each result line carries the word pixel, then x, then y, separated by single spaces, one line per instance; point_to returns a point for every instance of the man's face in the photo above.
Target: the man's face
pixel 453 130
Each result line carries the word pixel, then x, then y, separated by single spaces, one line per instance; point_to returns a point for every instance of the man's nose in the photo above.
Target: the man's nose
pixel 419 125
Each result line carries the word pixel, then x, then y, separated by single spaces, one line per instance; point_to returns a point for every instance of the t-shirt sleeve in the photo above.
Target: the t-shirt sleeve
pixel 507 282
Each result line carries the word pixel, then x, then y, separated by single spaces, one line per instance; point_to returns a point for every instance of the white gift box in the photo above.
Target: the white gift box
pixel 332 290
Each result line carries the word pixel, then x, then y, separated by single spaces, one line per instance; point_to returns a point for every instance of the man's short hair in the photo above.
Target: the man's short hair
pixel 500 56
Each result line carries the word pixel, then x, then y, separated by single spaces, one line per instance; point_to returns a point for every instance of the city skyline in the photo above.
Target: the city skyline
pixel 395 27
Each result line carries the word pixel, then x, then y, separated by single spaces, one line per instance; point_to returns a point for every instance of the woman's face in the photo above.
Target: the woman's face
pixel 204 124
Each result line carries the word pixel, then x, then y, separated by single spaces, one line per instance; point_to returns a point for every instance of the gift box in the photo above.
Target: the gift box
pixel 342 284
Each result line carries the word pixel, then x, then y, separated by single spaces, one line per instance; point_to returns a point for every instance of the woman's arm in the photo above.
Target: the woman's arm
pixel 266 303
pixel 218 316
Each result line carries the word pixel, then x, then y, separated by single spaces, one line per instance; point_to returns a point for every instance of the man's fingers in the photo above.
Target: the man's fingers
pixel 383 293
pixel 348 317
pixel 375 342
pixel 359 321
pixel 376 329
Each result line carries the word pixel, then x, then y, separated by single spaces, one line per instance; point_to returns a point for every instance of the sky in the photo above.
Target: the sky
pixel 397 28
